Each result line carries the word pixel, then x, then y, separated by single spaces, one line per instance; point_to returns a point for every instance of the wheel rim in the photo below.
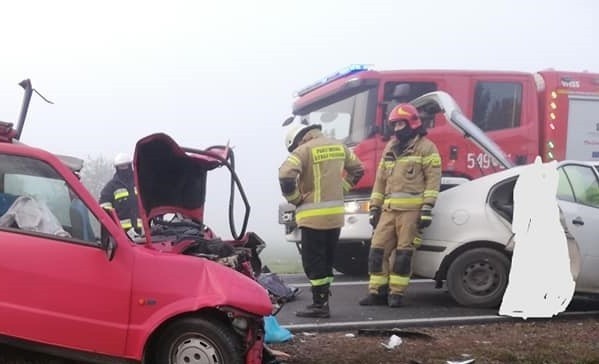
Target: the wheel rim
pixel 481 278
pixel 195 349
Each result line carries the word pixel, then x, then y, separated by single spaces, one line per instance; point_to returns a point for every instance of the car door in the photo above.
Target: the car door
pixel 56 288
pixel 578 196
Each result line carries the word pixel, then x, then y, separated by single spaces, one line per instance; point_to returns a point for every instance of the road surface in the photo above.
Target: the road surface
pixel 423 305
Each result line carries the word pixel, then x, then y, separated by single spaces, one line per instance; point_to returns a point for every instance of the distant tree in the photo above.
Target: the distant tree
pixel 95 173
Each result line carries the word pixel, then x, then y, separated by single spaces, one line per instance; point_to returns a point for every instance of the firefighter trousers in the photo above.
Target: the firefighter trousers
pixel 390 260
pixel 318 252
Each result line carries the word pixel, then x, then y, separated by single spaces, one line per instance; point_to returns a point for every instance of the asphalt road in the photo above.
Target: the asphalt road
pixel 423 305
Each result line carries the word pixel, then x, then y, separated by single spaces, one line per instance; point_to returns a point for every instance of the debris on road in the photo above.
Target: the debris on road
pixel 401 333
pixel 466 359
pixel 394 341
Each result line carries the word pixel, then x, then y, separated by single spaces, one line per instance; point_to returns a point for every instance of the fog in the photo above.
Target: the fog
pixel 209 73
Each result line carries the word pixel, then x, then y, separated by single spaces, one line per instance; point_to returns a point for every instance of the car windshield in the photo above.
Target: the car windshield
pixel 348 119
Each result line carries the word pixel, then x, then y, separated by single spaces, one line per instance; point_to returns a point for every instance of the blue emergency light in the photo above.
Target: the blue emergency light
pixel 352 68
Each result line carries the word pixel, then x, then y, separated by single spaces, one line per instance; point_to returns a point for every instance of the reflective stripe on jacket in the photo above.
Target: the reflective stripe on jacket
pixel 122 198
pixel 409 180
pixel 317 170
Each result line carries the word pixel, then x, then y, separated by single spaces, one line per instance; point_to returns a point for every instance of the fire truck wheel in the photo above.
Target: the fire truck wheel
pixel 196 340
pixel 352 258
pixel 478 277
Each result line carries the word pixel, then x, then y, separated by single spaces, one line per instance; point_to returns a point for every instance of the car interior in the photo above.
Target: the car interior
pixel 501 198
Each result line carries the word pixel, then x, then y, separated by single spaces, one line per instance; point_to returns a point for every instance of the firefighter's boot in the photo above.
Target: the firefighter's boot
pixel 376 299
pixel 320 303
pixel 394 300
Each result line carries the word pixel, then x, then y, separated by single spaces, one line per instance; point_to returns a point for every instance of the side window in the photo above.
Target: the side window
pixel 584 183
pixel 40 201
pixel 564 189
pixel 497 105
pixel 398 92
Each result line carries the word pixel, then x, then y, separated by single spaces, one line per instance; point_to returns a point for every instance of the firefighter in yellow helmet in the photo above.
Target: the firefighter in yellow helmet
pixel 407 183
pixel 314 178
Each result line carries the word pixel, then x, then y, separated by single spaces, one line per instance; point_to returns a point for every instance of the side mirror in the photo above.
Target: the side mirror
pixel 106 240
pixel 107 243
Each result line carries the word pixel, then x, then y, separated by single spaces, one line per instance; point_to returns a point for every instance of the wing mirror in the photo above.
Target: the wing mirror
pixel 106 240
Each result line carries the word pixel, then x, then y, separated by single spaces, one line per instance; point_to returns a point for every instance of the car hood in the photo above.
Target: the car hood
pixel 171 178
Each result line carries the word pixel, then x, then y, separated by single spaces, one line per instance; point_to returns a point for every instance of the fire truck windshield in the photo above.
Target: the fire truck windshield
pixel 349 119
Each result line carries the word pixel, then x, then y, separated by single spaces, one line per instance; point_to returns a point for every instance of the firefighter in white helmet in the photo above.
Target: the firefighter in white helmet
pixel 313 179
pixel 405 190
pixel 120 194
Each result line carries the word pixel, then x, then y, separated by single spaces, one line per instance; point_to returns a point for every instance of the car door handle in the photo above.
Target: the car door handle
pixel 578 221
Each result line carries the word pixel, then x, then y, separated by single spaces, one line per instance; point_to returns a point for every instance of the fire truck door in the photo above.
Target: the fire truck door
pixel 582 142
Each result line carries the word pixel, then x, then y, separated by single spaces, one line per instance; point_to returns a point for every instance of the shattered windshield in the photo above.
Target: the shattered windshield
pixel 349 119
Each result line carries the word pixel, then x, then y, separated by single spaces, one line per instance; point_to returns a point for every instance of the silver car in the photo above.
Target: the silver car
pixel 469 243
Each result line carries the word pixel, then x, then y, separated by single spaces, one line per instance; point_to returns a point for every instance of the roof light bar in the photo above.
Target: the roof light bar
pixel 352 68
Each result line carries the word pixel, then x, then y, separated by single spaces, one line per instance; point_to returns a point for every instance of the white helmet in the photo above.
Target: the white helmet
pixel 296 133
pixel 122 159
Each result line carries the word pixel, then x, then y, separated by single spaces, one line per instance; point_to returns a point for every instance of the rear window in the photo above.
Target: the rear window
pixel 497 105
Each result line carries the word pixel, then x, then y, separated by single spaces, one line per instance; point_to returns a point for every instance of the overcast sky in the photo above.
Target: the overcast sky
pixel 206 72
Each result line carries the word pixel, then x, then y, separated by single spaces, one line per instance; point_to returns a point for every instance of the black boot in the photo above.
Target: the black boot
pixel 376 299
pixel 320 303
pixel 394 300
pixel 373 299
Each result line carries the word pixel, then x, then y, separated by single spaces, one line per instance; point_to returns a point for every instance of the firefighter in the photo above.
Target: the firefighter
pixel 120 194
pixel 406 187
pixel 314 178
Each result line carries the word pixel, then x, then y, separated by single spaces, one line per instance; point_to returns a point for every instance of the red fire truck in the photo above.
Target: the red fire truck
pixel 554 114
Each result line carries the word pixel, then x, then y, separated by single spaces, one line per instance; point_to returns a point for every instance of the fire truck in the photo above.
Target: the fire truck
pixel 551 113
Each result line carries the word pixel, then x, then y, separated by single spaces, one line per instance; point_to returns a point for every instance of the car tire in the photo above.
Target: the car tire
pixel 352 259
pixel 196 340
pixel 478 277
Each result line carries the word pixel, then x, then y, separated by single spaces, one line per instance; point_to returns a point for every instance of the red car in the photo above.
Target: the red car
pixel 176 295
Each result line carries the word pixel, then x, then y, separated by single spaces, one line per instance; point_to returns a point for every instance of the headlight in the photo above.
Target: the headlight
pixel 355 207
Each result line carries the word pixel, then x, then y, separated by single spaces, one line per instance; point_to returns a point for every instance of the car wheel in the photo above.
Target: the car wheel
pixel 478 277
pixel 194 340
pixel 352 258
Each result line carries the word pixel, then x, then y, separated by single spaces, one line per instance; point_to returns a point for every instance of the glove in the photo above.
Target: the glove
pixel 426 216
pixel 374 215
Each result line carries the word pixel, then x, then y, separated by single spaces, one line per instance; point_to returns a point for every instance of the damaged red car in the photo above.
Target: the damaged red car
pixel 176 294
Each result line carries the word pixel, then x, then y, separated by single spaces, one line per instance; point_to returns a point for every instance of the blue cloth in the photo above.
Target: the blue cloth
pixel 275 333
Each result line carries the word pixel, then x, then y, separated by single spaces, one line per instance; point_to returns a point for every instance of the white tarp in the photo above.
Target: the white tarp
pixel 540 281
pixel 30 214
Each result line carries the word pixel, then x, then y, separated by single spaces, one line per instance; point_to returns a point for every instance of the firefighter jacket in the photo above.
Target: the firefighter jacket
pixel 122 196
pixel 314 178
pixel 407 180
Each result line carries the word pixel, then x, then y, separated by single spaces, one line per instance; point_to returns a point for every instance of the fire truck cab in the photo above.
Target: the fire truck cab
pixel 554 114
